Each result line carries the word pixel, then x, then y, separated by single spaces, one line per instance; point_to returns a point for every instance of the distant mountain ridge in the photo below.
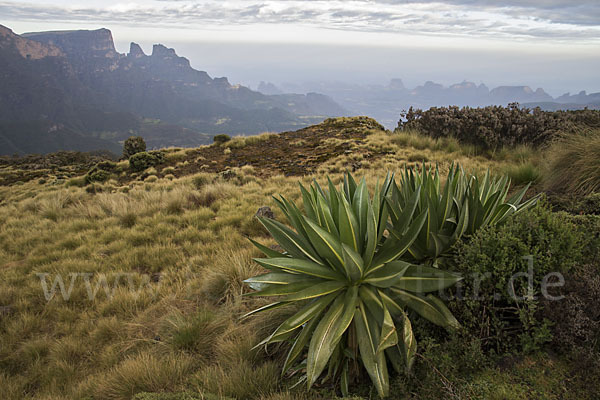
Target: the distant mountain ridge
pixel 66 84
pixel 386 102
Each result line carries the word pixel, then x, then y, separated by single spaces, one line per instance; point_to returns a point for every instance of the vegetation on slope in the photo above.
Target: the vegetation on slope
pixel 171 244
pixel 496 126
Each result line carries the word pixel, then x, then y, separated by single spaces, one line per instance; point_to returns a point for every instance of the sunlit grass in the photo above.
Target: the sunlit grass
pixel 183 244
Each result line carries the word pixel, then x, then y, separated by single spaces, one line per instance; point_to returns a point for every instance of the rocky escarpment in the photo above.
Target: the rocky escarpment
pixel 80 43
pixel 28 49
pixel 78 80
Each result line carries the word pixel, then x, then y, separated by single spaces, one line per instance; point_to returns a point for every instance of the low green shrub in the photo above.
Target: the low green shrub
pixel 590 204
pixel 107 165
pixel 141 161
pixel 101 172
pixel 221 138
pixel 499 263
pixel 589 228
pixel 576 317
pixel 97 175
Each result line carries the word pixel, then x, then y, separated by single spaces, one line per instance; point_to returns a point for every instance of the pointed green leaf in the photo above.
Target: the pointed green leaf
pixel 265 250
pixel 289 289
pixel 290 240
pixel 307 312
pixel 423 306
pixel 408 344
pixel 265 308
pixel 393 250
pixel 387 275
pixel 299 266
pixel 353 263
pixel 389 336
pixel 375 363
pixel 422 279
pixel 300 343
pixel 327 335
pixel 316 290
pixel 349 228
pixel 328 246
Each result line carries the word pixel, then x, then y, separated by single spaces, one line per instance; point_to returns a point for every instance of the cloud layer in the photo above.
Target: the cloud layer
pixel 552 20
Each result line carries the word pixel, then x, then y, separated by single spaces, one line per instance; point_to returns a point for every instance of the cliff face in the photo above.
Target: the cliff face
pixel 29 49
pixel 36 80
pixel 78 80
pixel 88 51
pixel 82 43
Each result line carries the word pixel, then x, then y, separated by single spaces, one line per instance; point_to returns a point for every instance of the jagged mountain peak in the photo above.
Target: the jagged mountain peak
pixel 135 51
pixel 159 50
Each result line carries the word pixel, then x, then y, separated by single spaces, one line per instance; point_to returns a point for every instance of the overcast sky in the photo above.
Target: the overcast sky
pixel 554 44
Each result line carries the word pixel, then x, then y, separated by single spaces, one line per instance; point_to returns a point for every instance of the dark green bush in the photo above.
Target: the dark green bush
pixel 577 316
pixel 133 145
pixel 159 155
pixel 101 172
pixel 97 175
pixel 222 138
pixel 496 126
pixel 492 256
pixel 107 165
pixel 590 204
pixel 140 161
pixel 589 226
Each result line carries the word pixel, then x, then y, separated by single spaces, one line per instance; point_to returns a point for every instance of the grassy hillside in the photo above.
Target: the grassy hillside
pixel 135 284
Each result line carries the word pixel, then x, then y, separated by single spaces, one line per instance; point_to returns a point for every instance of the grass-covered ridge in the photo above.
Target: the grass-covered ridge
pixel 174 252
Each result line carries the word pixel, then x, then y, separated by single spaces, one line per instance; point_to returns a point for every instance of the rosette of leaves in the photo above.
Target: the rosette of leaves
pixel 354 292
pixel 461 206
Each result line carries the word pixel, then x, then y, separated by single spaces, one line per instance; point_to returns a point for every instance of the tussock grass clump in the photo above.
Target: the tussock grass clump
pixel 224 280
pixel 243 381
pixel 143 373
pixel 573 164
pixel 415 139
pixel 524 173
pixel 195 333
pixel 200 180
pixel 239 142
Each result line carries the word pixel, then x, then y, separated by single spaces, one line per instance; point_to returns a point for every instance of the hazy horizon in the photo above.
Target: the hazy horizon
pixel 553 44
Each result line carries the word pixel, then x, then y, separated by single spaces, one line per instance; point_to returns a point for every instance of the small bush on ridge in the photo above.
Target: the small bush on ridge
pixel 140 161
pixel 221 138
pixel 133 145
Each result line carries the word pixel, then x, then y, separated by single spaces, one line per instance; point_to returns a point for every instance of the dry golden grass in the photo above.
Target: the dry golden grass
pixel 573 164
pixel 167 259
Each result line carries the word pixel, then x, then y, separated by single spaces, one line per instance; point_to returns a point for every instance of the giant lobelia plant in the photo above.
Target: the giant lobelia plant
pixel 354 292
pixel 463 205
